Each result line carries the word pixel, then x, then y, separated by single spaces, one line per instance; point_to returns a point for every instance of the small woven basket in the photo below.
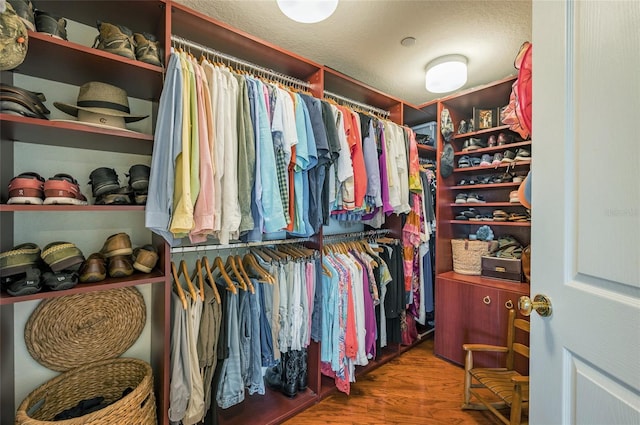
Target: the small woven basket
pixel 467 255
pixel 108 379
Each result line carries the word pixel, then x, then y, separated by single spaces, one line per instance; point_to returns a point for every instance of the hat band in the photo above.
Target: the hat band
pixel 102 104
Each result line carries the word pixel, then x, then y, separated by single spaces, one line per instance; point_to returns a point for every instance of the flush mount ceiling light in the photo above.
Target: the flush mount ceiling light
pixel 446 73
pixel 308 11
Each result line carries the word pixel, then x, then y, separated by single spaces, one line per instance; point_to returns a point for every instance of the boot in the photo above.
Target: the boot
pixel 302 374
pixel 50 24
pixel 273 377
pixel 147 48
pixel 290 373
pixel 116 39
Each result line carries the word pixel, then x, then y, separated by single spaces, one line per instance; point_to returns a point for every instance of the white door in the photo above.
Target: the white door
pixel 585 357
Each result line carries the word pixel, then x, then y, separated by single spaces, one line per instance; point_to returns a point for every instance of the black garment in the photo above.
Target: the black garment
pixel 395 297
pixel 331 131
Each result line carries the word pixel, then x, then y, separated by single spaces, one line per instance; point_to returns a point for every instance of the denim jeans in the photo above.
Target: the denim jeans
pixel 230 385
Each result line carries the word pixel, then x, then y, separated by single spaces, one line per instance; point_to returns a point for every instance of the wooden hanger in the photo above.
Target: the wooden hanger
pixel 230 265
pixel 252 265
pixel 183 271
pixel 218 264
pixel 176 281
pixel 212 282
pixel 244 274
pixel 263 255
pixel 198 275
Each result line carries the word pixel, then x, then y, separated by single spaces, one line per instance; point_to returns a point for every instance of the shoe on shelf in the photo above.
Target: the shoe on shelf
pixel 103 180
pixel 139 177
pixel 24 10
pixel 116 39
pixel 497 159
pixel 49 24
pixel 504 139
pixel 94 269
pixel 62 256
pixel 140 198
pixel 117 244
pixel 475 161
pixel 461 198
pixel 26 188
pixel 513 197
pixel 492 141
pixel 485 161
pixel 63 189
pixel 522 155
pixel 19 259
pixel 27 283
pixel 147 48
pixel 145 258
pixel 120 266
pixel 475 198
pixel 508 156
pixel 122 196
pixel 61 280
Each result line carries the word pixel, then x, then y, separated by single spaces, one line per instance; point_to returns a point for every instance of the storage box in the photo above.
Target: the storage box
pixel 502 268
pixel 428 128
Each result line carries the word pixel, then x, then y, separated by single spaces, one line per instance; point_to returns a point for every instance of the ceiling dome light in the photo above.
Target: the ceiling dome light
pixel 446 74
pixel 308 11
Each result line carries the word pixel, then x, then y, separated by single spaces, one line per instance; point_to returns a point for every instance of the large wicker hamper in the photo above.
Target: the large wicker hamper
pixel 467 255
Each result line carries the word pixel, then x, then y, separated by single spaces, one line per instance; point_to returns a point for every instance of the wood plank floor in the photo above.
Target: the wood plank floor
pixel 415 388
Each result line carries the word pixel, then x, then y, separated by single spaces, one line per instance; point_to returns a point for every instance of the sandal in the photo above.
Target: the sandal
pixel 59 281
pixel 25 284
pixel 64 190
pixel 26 188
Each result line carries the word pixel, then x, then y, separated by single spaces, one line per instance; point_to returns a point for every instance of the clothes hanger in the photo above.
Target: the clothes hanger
pixel 198 275
pixel 183 271
pixel 176 281
pixel 212 282
pixel 252 264
pixel 243 272
pixel 218 264
pixel 230 265
pixel 263 255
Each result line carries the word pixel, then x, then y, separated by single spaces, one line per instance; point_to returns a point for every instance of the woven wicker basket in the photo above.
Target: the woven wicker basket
pixel 467 255
pixel 106 378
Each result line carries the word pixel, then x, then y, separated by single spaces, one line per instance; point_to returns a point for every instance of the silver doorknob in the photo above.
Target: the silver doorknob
pixel 540 303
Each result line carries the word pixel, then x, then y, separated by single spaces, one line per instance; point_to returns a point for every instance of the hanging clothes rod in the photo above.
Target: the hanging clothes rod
pixel 260 69
pixel 370 108
pixel 216 247
pixel 355 235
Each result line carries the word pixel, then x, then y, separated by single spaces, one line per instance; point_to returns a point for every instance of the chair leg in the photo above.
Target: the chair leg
pixel 516 406
pixel 468 364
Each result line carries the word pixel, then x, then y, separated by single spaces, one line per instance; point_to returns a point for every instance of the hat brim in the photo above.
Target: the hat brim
pixel 91 124
pixel 73 110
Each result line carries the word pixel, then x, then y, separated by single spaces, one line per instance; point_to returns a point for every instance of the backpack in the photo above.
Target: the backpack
pixel 13 39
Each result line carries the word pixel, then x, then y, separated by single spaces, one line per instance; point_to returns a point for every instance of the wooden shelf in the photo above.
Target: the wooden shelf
pixel 470 187
pixel 70 208
pixel 486 281
pixel 73 135
pixel 501 148
pixel 426 148
pixel 486 204
pixel 492 223
pixel 64 61
pixel 489 167
pixel 109 283
pixel 271 408
pixel 482 132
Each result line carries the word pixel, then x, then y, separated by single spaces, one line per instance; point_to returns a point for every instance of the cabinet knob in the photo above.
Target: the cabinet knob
pixel 540 303
pixel 509 304
pixel 486 300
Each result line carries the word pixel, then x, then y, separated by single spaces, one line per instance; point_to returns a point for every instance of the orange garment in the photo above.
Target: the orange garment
pixel 354 139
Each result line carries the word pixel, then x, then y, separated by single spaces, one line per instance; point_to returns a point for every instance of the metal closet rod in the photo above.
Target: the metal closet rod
pixel 214 247
pixel 355 235
pixel 358 104
pixel 338 236
pixel 260 69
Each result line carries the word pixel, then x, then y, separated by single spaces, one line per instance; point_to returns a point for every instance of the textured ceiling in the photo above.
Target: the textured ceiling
pixel 362 38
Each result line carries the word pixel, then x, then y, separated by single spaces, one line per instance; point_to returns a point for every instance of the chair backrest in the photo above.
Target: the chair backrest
pixel 516 326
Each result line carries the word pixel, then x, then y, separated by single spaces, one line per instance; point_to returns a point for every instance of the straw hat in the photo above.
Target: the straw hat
pixel 102 99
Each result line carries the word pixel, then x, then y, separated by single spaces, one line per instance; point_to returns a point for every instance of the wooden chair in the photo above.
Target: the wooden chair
pixel 499 388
